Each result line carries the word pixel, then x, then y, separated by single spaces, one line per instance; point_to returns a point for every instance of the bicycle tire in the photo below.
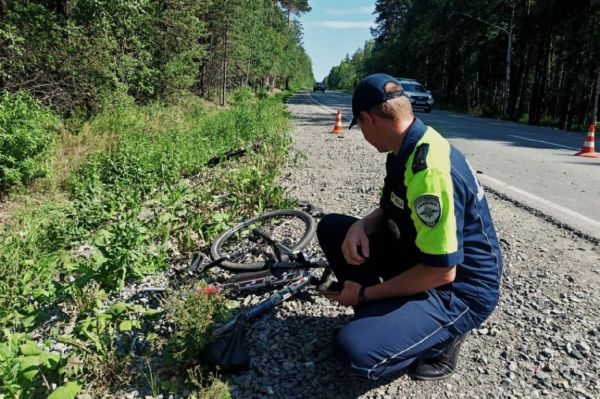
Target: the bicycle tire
pixel 217 251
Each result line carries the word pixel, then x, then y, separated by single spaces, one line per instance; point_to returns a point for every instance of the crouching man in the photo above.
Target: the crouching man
pixel 423 268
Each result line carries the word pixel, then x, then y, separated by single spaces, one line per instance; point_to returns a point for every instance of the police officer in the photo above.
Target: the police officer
pixel 423 268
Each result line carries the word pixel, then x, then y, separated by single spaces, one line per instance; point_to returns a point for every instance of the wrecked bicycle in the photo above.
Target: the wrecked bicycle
pixel 267 249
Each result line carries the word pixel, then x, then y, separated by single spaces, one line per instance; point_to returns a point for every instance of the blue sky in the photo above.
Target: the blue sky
pixel 335 28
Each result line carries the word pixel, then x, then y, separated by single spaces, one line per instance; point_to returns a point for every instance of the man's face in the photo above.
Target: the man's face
pixel 370 133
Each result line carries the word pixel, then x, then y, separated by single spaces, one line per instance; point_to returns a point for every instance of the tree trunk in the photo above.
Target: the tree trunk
pixel 539 83
pixel 477 91
pixel 247 74
pixel 62 7
pixel 202 79
pixel 505 111
pixel 596 97
pixel 543 101
pixel 3 47
pixel 224 72
pixel 567 115
pixel 524 85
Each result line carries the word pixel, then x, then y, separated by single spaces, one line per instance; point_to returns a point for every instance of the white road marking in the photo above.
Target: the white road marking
pixel 545 142
pixel 541 201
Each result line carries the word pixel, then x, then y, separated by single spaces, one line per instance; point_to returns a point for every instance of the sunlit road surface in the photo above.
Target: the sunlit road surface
pixel 533 165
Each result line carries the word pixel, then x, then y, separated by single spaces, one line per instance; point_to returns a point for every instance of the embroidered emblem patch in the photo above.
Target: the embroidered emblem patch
pixel 394 229
pixel 428 209
pixel 399 202
pixel 420 158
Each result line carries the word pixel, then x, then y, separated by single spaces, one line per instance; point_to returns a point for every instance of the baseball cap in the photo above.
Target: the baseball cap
pixel 371 91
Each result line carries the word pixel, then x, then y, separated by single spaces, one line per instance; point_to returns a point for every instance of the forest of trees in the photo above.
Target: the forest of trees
pixel 71 53
pixel 523 60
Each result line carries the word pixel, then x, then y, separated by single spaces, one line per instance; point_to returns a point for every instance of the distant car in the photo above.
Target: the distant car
pixel 417 94
pixel 319 86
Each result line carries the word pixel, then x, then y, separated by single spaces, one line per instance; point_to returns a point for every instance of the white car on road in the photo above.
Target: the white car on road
pixel 418 95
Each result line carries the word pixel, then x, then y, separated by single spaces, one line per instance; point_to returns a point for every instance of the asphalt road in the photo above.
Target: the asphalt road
pixel 532 165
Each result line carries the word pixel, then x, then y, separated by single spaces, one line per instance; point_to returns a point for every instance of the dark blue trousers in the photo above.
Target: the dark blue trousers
pixel 387 336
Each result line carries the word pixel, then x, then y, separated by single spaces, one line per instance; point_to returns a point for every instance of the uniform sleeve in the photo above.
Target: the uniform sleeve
pixel 430 197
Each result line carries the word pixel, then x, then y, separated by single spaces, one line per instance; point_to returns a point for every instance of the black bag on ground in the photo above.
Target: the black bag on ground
pixel 228 352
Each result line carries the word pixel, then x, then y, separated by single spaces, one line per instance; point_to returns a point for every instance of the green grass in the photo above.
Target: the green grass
pixel 130 190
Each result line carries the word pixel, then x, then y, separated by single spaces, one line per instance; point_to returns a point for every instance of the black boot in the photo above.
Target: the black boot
pixel 441 366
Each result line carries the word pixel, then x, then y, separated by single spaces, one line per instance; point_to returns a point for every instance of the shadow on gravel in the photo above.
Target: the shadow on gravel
pixel 292 357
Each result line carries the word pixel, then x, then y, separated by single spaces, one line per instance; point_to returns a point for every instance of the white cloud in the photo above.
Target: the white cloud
pixel 359 10
pixel 341 24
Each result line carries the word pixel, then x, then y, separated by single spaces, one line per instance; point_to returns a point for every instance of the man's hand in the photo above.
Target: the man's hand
pixel 356 238
pixel 349 294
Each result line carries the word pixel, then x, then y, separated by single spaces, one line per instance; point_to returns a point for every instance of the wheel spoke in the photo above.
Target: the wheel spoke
pixel 292 229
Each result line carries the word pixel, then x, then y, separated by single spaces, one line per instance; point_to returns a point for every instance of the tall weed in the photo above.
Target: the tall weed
pixel 27 137
pixel 193 314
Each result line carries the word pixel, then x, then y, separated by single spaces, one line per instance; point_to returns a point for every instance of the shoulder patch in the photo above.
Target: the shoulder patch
pixel 429 209
pixel 420 158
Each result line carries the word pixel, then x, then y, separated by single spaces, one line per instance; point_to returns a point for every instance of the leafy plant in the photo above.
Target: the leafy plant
pixel 121 254
pixel 27 136
pixel 26 370
pixel 104 340
pixel 67 391
pixel 192 315
pixel 206 386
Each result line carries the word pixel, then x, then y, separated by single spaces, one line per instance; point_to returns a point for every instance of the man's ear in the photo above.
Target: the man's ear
pixel 367 117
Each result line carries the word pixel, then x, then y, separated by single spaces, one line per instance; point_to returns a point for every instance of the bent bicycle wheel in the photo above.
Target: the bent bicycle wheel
pixel 247 250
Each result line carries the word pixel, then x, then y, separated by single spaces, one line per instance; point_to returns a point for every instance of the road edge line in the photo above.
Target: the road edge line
pixel 549 211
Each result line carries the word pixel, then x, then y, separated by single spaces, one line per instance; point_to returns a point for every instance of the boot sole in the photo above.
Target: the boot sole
pixel 423 378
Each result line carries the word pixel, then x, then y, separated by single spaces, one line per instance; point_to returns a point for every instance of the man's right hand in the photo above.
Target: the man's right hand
pixel 356 244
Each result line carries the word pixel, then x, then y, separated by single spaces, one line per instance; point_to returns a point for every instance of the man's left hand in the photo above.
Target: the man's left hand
pixel 349 294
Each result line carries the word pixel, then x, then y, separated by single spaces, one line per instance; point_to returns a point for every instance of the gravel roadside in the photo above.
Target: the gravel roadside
pixel 540 342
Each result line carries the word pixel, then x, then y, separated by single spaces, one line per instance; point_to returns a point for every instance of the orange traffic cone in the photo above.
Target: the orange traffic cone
pixel 337 128
pixel 588 149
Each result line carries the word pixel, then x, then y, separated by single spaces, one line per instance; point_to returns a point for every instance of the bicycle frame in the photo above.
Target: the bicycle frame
pixel 290 267
pixel 266 304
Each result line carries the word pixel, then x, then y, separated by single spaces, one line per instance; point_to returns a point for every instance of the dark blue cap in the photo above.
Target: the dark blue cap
pixel 370 92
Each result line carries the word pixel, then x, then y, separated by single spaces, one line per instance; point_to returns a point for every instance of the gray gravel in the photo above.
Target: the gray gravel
pixel 540 342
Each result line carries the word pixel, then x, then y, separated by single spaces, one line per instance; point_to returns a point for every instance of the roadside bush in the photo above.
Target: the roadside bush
pixel 27 136
pixel 241 96
pixel 30 253
pixel 193 315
